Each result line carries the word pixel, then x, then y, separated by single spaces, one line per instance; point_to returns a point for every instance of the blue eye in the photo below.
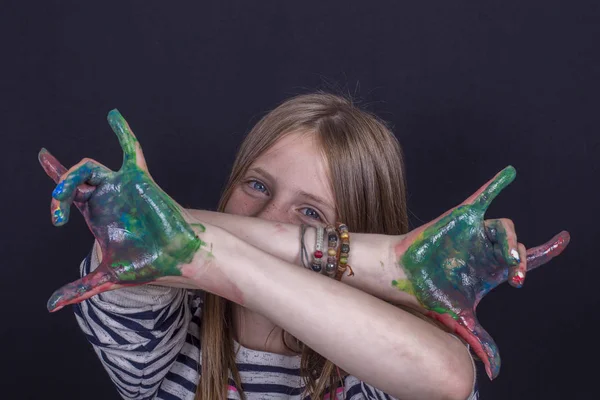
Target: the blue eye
pixel 311 213
pixel 256 185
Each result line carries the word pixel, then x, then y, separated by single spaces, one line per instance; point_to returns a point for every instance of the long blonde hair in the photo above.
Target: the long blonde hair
pixel 367 177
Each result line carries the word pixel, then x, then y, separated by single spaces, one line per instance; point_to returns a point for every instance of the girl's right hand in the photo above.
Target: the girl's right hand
pixel 141 231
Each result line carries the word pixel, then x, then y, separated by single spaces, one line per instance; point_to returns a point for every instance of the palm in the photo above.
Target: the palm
pixel 140 229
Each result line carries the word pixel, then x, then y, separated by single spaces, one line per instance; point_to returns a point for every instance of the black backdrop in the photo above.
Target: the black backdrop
pixel 469 87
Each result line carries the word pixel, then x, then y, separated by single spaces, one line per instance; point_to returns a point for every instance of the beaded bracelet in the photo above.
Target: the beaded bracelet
pixel 338 250
pixel 317 262
pixel 343 252
pixel 332 242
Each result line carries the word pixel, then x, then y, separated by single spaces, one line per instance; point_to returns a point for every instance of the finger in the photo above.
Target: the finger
pixel 468 328
pixel 482 198
pixel 501 233
pixel 540 255
pixel 64 194
pixel 486 349
pixel 516 275
pixel 96 282
pixel 54 169
pixel 132 150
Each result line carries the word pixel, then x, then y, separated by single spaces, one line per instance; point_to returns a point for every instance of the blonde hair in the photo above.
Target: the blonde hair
pixel 367 177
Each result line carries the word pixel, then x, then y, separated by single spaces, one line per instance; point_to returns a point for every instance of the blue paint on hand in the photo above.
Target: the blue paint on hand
pixel 58 190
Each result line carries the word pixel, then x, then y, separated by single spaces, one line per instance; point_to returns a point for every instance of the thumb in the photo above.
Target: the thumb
pixel 98 281
pixel 132 150
pixel 469 329
pixel 483 197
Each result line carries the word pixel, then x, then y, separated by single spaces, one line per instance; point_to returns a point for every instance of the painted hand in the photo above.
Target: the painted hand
pixel 455 260
pixel 140 229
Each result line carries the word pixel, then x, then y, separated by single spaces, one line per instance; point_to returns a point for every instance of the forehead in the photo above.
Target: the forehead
pixel 296 161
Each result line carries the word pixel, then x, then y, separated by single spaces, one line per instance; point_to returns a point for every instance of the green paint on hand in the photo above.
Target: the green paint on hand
pixel 404 285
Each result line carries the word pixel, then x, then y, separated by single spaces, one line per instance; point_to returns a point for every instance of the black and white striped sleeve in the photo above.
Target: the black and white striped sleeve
pixel 137 332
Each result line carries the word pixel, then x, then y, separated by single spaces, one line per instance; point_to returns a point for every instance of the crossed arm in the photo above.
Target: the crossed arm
pixel 443 268
pixel 372 255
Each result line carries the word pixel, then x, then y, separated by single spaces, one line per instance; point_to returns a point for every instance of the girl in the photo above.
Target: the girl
pixel 259 326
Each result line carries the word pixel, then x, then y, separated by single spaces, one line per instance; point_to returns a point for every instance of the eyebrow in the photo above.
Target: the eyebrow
pixel 315 199
pixel 309 196
pixel 262 172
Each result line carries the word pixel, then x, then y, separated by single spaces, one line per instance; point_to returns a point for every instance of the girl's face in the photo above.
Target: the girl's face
pixel 288 183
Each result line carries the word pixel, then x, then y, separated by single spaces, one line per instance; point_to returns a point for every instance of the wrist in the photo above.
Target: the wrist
pixel 376 265
pixel 207 271
pixel 402 281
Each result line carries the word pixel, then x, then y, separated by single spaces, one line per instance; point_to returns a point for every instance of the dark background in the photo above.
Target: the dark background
pixel 469 87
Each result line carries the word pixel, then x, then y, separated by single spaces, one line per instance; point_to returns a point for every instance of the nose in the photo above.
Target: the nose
pixel 273 211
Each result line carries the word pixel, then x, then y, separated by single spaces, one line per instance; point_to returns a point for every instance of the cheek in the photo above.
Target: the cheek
pixel 241 204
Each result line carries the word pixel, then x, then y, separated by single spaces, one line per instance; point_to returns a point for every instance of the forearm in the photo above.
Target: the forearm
pixel 375 341
pixel 372 257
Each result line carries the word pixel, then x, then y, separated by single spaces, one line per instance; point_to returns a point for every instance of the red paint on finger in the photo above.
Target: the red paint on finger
pixel 53 168
pixel 517 278
pixel 516 275
pixel 78 291
pixel 540 255
pixel 467 335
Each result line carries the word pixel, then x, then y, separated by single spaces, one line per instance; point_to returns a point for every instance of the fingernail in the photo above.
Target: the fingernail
pixel 58 190
pixel 58 217
pixel 52 301
pixel 515 255
pixel 516 279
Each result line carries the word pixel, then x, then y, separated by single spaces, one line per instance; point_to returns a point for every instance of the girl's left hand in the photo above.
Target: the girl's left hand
pixel 455 260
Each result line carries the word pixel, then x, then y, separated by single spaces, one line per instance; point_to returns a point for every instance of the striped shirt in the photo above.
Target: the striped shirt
pixel 148 339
